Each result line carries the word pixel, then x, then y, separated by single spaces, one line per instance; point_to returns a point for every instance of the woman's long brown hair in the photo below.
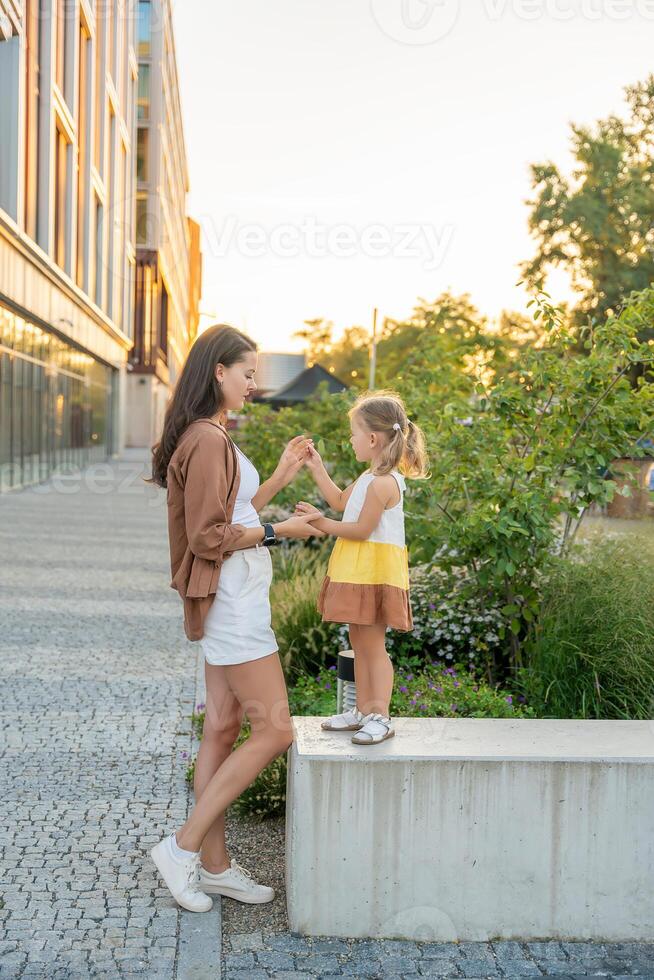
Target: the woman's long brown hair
pixel 197 394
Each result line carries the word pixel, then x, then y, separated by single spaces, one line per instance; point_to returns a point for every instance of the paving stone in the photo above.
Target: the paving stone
pixel 361 968
pixel 520 968
pixel 449 950
pixel 101 679
pixel 246 975
pixel 473 968
pixel 245 940
pixel 318 963
pixel 546 950
pixel 438 966
pixel 398 965
pixel 286 942
pixel 274 960
pixel 239 961
pixel 300 975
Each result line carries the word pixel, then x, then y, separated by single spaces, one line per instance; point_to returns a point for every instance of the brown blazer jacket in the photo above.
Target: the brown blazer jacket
pixel 203 479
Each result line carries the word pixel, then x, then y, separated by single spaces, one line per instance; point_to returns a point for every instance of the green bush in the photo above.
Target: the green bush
pixel 452 692
pixel 305 642
pixel 593 652
pixel 452 620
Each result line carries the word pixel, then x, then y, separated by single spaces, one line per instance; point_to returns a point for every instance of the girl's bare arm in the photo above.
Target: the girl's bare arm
pixel 382 490
pixel 335 497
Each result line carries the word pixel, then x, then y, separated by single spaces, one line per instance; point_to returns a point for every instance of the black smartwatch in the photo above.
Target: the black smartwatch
pixel 269 536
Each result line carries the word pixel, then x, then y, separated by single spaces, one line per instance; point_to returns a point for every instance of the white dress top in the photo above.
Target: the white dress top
pixel 390 529
pixel 244 512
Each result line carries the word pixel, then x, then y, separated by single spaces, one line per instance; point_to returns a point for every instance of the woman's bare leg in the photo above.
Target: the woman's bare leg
pixel 373 662
pixel 260 689
pixel 223 717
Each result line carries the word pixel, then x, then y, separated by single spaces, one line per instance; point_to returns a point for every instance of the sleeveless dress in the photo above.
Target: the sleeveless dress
pixel 367 582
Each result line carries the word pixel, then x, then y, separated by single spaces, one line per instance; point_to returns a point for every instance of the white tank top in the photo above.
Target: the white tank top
pixel 244 512
pixel 390 529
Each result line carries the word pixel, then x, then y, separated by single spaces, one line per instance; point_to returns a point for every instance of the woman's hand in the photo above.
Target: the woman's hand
pixel 293 458
pixel 304 508
pixel 298 526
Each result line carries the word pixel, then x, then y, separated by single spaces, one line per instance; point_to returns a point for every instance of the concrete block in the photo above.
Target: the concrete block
pixel 473 829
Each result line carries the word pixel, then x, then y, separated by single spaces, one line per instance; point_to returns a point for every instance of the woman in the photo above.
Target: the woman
pixel 221 567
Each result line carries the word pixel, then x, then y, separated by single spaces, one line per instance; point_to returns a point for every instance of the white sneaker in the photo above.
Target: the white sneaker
pixel 377 728
pixel 236 882
pixel 181 877
pixel 348 721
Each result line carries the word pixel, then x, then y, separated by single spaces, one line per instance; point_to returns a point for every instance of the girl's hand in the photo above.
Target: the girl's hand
pixel 305 509
pixel 313 460
pixel 298 526
pixel 293 458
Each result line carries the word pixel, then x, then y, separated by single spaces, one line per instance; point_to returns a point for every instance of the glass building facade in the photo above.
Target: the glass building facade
pixel 55 404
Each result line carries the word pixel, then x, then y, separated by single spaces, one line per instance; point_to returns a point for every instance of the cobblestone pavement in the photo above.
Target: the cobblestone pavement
pixel 98 682
pixel 257 956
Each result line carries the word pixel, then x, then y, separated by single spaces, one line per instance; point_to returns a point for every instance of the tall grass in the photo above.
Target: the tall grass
pixel 305 643
pixel 593 652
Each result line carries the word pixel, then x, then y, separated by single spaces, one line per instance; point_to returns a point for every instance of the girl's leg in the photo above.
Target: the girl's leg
pixel 361 681
pixel 260 689
pixel 222 723
pixel 373 662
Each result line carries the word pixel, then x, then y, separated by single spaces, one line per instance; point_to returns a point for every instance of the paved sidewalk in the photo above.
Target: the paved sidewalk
pixel 259 956
pixel 97 685
pixel 98 682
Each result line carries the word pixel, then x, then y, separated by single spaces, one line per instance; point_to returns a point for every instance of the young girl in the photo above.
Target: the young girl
pixel 367 581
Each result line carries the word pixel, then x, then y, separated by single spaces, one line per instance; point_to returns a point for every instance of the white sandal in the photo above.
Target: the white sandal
pixel 377 728
pixel 350 720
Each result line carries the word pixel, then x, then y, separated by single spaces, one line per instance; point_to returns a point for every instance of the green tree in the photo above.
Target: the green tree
pixel 598 225
pixel 513 479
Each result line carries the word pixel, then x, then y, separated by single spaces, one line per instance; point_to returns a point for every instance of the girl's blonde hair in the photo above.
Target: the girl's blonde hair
pixel 384 411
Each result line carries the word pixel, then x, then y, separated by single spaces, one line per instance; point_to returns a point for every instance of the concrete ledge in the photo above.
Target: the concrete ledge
pixel 473 829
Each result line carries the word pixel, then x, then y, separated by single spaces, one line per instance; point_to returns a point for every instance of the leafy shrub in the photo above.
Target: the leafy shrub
pixel 448 692
pixel 593 651
pixel 451 620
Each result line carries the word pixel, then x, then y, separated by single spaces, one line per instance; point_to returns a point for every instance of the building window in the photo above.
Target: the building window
pixel 82 163
pixel 65 10
pixel 113 211
pixel 163 323
pixel 31 115
pixel 141 219
pixel 60 216
pixel 56 404
pixel 99 271
pixel 144 27
pixel 111 14
pixel 143 101
pixel 142 147
pixel 99 97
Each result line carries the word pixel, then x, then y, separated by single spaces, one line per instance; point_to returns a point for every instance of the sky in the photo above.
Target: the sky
pixel 351 154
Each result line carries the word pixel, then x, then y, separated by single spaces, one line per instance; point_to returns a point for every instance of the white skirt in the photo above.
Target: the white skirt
pixel 237 627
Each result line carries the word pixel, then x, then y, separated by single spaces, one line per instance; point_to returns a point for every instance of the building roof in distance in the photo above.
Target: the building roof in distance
pixel 304 386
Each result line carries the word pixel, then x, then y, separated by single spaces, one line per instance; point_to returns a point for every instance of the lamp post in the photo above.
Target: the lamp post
pixel 373 351
pixel 346 694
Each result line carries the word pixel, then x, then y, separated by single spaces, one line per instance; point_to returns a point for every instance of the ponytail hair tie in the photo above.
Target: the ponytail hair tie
pixel 396 425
